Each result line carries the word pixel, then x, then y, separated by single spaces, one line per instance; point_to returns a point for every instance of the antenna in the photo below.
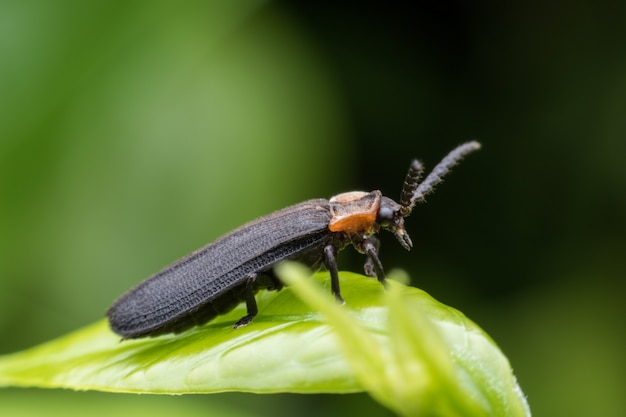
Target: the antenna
pixel 412 192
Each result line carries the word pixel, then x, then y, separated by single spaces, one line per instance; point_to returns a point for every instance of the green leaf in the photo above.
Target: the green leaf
pixel 416 355
pixel 411 353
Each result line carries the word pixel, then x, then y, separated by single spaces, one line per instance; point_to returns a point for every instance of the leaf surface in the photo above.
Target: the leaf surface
pixel 410 352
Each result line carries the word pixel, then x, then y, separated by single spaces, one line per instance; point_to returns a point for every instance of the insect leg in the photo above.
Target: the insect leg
pixel 331 264
pixel 250 302
pixel 277 284
pixel 370 247
pixel 369 267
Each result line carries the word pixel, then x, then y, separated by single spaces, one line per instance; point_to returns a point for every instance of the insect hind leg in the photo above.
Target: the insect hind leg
pixel 251 305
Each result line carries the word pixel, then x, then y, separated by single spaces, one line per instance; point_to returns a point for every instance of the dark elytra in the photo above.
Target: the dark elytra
pixel 216 278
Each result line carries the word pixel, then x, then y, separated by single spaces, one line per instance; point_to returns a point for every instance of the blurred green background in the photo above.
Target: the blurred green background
pixel 132 133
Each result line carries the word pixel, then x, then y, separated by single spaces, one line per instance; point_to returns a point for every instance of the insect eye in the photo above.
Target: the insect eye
pixel 385 216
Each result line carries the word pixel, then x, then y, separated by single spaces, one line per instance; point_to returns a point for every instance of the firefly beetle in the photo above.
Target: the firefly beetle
pixel 216 278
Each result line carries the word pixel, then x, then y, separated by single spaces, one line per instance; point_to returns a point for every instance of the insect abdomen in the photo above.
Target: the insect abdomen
pixel 211 281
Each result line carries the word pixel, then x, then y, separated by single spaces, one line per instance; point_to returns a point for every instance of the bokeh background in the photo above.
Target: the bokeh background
pixel 132 133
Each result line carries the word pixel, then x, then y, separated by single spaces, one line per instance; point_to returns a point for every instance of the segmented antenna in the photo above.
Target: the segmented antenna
pixel 412 180
pixel 436 176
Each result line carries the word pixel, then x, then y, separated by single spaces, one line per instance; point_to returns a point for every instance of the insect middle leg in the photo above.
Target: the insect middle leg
pixel 330 260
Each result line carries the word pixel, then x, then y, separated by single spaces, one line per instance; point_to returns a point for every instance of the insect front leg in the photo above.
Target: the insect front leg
pixel 369 267
pixel 373 266
pixel 250 302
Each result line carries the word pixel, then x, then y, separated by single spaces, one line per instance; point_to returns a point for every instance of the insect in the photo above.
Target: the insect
pixel 216 278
